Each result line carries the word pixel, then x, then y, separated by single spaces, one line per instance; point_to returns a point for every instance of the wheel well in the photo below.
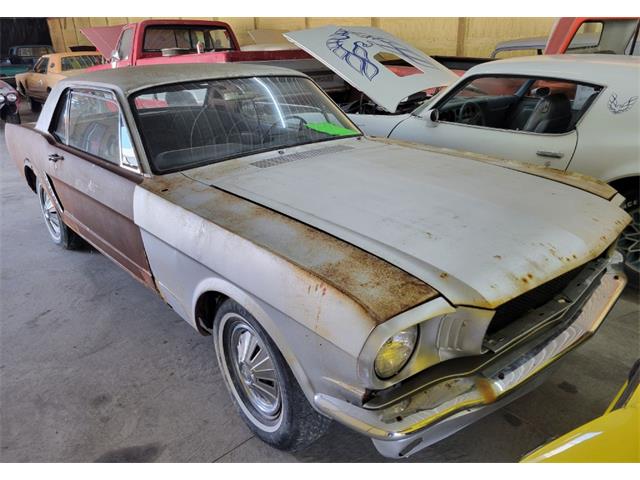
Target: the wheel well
pixel 626 185
pixel 206 308
pixel 31 178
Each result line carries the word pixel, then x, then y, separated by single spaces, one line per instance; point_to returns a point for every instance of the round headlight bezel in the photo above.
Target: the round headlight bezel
pixel 1 98
pixel 406 342
pixel 11 97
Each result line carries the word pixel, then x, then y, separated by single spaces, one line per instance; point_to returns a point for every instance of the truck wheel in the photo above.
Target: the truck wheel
pixel 261 384
pixel 629 243
pixel 36 106
pixel 58 231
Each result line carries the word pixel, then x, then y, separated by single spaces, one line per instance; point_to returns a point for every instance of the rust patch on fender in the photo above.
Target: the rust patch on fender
pixel 380 288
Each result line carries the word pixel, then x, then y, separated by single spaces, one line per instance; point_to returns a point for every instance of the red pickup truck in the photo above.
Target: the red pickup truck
pixel 197 41
pixel 611 35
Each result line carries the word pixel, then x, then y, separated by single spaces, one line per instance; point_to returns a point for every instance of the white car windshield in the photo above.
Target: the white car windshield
pixel 198 123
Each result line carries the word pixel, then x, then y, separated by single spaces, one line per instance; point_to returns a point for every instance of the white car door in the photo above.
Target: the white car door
pixel 525 119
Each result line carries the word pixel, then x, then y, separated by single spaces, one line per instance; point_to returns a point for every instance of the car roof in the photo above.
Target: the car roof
pixel 132 79
pixel 589 68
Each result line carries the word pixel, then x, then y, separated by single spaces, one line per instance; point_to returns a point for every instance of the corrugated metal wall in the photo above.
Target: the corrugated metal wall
pixel 466 36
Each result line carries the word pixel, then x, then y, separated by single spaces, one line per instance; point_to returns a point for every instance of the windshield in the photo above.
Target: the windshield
pixel 192 124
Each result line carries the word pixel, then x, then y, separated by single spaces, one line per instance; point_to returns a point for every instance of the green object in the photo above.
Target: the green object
pixel 330 129
pixel 12 70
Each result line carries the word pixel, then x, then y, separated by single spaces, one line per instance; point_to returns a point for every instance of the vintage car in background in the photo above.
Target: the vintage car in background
pixel 401 290
pixel 567 112
pixel 612 437
pixel 28 54
pixel 49 70
pixel 9 103
pixel 9 71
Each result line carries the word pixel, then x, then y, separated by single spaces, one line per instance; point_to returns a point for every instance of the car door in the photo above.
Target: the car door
pixel 528 119
pixel 35 82
pixel 93 170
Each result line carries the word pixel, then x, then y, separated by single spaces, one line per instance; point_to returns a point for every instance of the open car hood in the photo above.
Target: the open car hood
pixel 104 39
pixel 351 53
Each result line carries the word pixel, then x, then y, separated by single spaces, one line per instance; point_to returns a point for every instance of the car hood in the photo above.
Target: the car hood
pixel 478 232
pixel 351 53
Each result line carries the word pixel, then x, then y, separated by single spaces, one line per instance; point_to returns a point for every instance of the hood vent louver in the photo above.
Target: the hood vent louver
pixel 292 157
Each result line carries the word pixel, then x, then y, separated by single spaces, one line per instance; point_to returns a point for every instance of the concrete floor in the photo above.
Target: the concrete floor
pixel 94 367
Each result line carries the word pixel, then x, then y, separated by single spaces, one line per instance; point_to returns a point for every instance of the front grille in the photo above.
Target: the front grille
pixel 519 306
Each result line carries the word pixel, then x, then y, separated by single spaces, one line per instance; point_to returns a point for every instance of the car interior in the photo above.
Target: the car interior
pixel 534 105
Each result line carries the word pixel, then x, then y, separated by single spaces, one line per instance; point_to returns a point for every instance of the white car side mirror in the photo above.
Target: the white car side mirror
pixel 431 117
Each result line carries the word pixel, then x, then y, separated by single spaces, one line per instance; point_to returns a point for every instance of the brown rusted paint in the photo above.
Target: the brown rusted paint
pixel 574 179
pixel 381 289
pixel 93 200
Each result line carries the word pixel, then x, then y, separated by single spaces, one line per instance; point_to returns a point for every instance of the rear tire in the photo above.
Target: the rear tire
pixel 261 384
pixel 629 243
pixel 58 231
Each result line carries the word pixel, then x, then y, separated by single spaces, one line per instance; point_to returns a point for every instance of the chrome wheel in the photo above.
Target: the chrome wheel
pixel 250 365
pixel 50 214
pixel 629 243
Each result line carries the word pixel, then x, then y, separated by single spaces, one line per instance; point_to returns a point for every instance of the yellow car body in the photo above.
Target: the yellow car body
pixel 613 437
pixel 50 69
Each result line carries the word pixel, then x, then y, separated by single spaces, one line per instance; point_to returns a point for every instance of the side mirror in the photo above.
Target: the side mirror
pixel 432 117
pixel 115 57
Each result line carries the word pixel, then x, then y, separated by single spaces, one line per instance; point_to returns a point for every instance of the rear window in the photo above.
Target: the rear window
pixel 605 36
pixel 78 62
pixel 186 37
pixel 32 51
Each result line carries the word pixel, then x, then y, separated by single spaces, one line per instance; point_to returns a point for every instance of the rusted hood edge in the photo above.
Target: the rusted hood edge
pixel 380 288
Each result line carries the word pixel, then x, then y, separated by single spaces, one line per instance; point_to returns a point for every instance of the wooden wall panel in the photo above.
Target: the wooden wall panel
pixel 482 34
pixel 466 36
pixel 435 36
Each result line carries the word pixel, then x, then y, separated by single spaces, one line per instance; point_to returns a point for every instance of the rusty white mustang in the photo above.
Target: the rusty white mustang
pixel 368 281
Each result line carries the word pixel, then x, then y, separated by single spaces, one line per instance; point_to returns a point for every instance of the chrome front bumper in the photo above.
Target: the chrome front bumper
pixel 440 409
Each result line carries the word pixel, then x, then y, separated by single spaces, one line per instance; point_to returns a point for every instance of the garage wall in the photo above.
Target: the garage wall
pixel 465 36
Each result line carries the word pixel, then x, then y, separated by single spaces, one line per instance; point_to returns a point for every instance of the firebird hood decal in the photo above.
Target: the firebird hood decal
pixel 351 53
pixel 616 107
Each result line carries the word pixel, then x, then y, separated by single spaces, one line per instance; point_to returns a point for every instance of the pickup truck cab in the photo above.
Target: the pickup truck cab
pixel 171 41
pixel 610 35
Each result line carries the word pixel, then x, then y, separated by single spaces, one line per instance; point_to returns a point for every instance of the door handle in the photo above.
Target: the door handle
pixel 543 153
pixel 54 157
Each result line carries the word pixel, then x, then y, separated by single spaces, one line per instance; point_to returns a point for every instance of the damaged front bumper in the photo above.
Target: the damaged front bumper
pixel 427 410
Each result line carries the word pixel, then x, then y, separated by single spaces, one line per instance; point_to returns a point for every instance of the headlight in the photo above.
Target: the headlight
pixel 1 98
pixel 12 97
pixel 395 352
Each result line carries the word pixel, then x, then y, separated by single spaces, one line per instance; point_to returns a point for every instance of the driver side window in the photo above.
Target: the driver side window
pixel 41 65
pixel 527 104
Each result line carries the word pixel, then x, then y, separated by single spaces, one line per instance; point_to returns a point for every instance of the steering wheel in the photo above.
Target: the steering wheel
pixel 470 113
pixel 301 123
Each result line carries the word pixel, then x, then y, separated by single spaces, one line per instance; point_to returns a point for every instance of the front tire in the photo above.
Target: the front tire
pixel 629 243
pixel 58 231
pixel 261 384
